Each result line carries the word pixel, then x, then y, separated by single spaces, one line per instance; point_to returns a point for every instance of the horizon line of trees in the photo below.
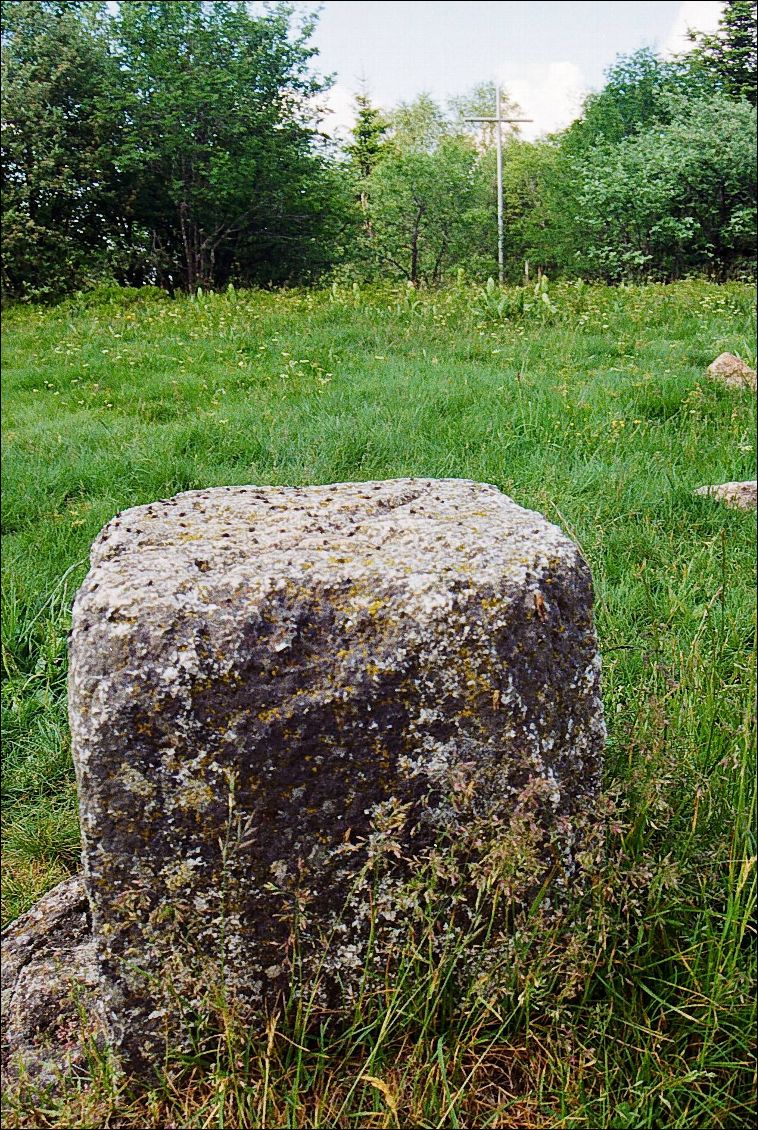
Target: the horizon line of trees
pixel 178 144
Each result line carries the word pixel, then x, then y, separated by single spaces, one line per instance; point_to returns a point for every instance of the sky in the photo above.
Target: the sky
pixel 547 55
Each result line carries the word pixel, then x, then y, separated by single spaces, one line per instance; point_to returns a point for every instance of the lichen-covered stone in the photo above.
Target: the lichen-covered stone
pixel 282 699
pixel 50 982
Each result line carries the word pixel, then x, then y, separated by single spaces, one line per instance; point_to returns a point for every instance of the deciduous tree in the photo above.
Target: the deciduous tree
pixel 421 207
pixel 220 139
pixel 58 138
pixel 674 198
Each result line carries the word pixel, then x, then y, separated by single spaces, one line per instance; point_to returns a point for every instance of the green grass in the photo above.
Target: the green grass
pixel 599 416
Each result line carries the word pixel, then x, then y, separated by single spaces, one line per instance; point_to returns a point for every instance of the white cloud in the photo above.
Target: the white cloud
pixel 340 102
pixel 550 93
pixel 701 15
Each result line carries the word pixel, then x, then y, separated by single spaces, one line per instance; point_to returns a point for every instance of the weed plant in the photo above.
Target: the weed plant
pixel 637 1008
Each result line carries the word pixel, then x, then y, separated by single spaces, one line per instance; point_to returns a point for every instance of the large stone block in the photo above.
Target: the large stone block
pixel 275 690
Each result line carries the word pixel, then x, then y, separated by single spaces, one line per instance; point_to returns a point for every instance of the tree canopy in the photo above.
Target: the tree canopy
pixel 169 142
pixel 179 144
pixel 729 57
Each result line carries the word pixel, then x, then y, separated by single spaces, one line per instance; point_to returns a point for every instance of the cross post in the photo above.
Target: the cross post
pixel 499 121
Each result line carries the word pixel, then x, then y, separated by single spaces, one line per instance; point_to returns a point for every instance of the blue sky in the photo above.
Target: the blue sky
pixel 548 55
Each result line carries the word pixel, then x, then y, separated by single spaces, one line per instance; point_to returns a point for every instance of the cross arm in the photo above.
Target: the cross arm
pixel 503 121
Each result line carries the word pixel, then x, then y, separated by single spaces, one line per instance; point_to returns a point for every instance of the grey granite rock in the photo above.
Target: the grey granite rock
pixel 737 495
pixel 282 698
pixel 50 982
pixel 732 372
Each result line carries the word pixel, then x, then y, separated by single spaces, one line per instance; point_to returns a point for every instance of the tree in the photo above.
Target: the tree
pixel 58 131
pixel 421 206
pixel 480 102
pixel 674 198
pixel 730 57
pixel 539 200
pixel 643 95
pixel 636 95
pixel 418 126
pixel 220 141
pixel 369 136
pixel 420 198
pixel 173 142
pixel 368 147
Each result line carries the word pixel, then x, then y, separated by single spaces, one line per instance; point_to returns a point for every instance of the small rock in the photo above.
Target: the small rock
pixel 48 970
pixel 741 496
pixel 732 372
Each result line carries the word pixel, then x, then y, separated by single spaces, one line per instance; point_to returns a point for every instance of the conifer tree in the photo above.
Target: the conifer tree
pixel 731 55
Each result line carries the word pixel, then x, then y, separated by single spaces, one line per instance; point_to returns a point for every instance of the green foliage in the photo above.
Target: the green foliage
pixel 430 203
pixel 368 148
pixel 177 143
pixel 656 180
pixel 418 126
pixel 481 102
pixel 636 95
pixel 57 147
pixel 535 303
pixel 674 198
pixel 421 207
pixel 730 57
pixel 218 142
pixel 171 143
pixel 369 142
pixel 540 201
pixel 491 302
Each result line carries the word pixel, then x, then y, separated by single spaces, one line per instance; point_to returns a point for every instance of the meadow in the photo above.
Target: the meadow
pixel 587 403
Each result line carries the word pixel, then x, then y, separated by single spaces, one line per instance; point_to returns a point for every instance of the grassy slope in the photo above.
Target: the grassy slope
pixel 600 417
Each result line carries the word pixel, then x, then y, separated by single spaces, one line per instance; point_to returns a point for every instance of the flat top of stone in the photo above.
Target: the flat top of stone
pixel 264 537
